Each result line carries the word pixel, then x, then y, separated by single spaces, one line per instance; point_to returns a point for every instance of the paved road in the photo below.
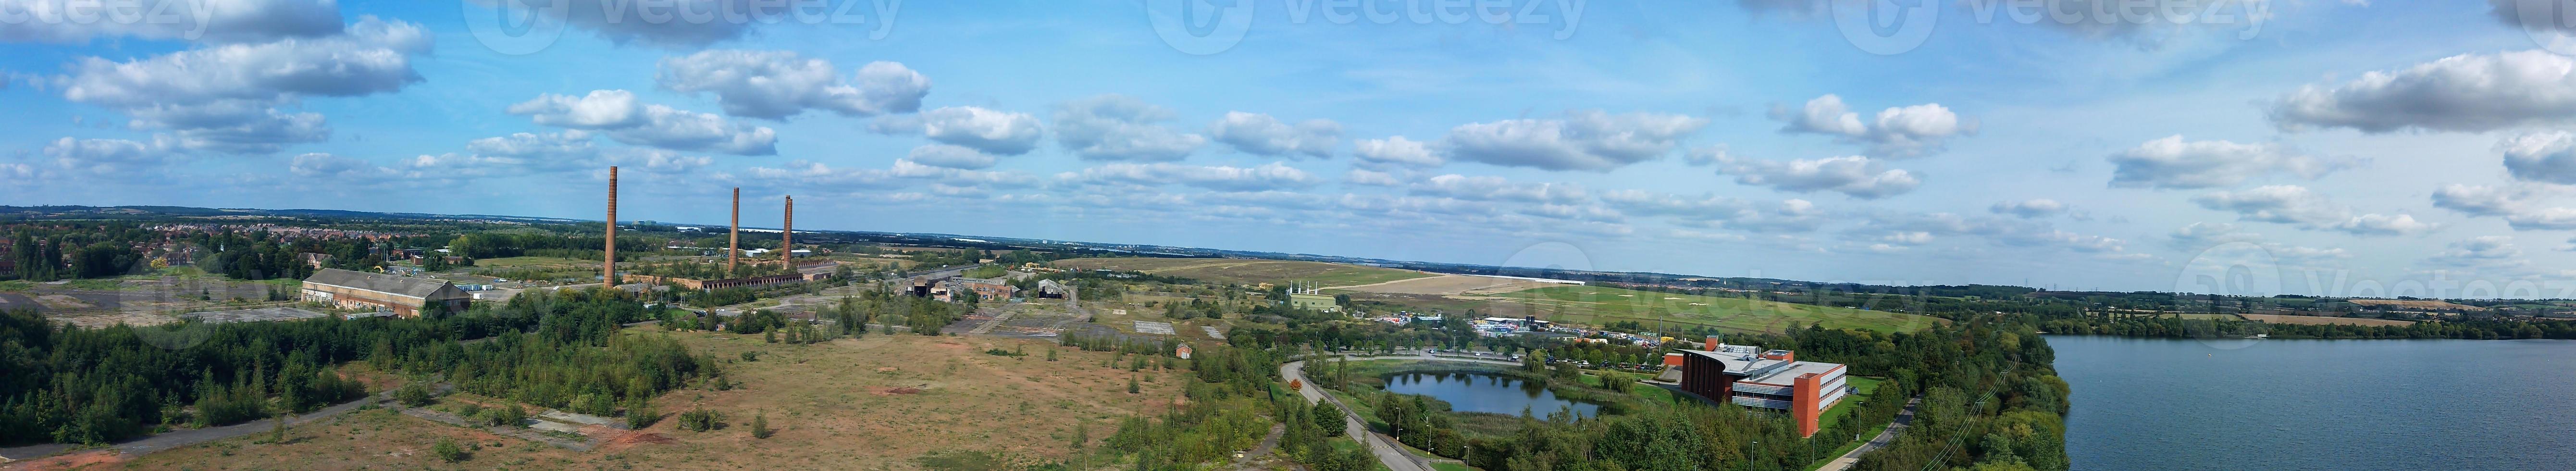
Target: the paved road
pixel 1903 419
pixel 1394 457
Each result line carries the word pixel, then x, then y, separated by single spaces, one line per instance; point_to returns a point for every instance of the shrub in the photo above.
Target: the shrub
pixel 446 449
pixel 700 420
pixel 760 425
pixel 414 395
pixel 640 413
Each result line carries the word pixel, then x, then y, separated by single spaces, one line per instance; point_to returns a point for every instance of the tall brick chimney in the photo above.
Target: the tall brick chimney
pixel 733 243
pixel 787 236
pixel 608 270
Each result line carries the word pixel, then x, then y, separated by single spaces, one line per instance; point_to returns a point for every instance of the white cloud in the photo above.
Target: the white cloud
pixel 2296 205
pixel 1120 127
pixel 1394 152
pixel 2172 162
pixel 2549 219
pixel 619 115
pixel 1370 178
pixel 1896 132
pixel 107 157
pixel 2546 157
pixel 2480 252
pixel 2026 209
pixel 319 165
pixel 1260 134
pixel 569 144
pixel 991 131
pixel 2203 235
pixel 1271 176
pixel 1856 176
pixel 1706 156
pixel 950 156
pixel 1581 140
pixel 223 21
pixel 778 84
pixel 1491 188
pixel 674 24
pixel 2465 93
pixel 225 97
pixel 1792 215
pixel 2482 200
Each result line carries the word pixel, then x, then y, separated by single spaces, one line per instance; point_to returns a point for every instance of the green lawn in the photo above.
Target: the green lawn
pixel 16 285
pixel 1597 305
pixel 516 262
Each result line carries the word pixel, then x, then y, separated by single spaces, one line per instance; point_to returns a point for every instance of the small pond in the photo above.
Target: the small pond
pixel 1486 392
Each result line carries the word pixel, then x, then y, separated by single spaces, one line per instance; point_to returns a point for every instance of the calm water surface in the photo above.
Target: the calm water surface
pixel 2163 404
pixel 1479 392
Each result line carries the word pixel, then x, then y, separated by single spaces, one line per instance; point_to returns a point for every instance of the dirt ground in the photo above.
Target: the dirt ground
pixel 2322 320
pixel 878 403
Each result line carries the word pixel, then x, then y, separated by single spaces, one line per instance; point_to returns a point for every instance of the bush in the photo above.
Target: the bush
pixel 446 449
pixel 414 395
pixel 760 425
pixel 700 420
pixel 640 413
pixel 1329 419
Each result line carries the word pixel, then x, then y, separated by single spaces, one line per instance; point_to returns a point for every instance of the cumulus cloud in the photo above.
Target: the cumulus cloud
pixel 2546 157
pixel 1492 188
pixel 107 157
pixel 1784 216
pixel 951 156
pixel 2480 252
pixel 2203 235
pixel 2027 209
pixel 2296 205
pixel 1580 140
pixel 557 145
pixel 1895 132
pixel 1271 176
pixel 991 131
pixel 319 165
pixel 1260 134
pixel 1856 176
pixel 1367 177
pixel 2482 200
pixel 2012 232
pixel 2172 162
pixel 1120 127
pixel 620 116
pixel 674 24
pixel 225 97
pixel 1394 152
pixel 2464 93
pixel 777 84
pixel 221 21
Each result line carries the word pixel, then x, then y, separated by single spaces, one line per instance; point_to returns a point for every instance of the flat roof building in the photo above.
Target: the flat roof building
pixel 1775 379
pixel 402 295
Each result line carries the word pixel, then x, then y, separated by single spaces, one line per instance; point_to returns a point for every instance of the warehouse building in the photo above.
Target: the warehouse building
pixel 1749 376
pixel 401 295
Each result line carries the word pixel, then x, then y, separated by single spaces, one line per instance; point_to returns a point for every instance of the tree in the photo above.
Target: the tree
pixel 414 395
pixel 640 413
pixel 1131 385
pixel 1329 419
pixel 760 425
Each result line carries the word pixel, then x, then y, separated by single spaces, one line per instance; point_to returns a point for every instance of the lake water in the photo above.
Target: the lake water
pixel 2166 404
pixel 1481 392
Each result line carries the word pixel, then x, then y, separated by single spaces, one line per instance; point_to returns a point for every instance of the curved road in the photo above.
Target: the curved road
pixel 1394 457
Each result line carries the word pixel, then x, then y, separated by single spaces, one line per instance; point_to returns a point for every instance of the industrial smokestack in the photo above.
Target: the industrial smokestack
pixel 733 243
pixel 787 236
pixel 608 270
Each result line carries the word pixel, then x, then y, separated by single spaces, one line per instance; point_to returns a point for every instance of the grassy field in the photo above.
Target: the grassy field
pixel 1241 271
pixel 2224 317
pixel 884 402
pixel 1597 305
pixel 526 262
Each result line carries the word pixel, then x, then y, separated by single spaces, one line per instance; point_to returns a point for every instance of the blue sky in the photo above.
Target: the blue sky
pixel 2314 146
